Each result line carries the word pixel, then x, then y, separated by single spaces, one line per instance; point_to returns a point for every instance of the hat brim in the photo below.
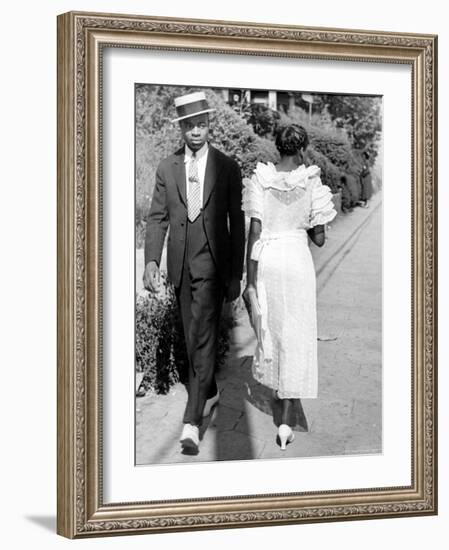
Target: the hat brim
pixel 193 114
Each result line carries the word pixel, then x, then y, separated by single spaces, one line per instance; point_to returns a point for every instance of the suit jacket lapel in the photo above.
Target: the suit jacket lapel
pixel 210 176
pixel 180 174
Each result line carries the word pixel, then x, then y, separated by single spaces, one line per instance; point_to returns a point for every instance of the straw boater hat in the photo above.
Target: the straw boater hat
pixel 191 105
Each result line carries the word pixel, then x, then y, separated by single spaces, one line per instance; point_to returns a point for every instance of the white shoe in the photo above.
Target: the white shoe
pixel 286 435
pixel 190 437
pixel 210 403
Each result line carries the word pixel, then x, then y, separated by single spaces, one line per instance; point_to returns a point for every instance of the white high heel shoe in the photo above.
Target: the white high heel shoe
pixel 286 435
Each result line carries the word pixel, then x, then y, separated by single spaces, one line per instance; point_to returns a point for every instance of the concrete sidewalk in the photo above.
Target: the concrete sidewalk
pixel 346 416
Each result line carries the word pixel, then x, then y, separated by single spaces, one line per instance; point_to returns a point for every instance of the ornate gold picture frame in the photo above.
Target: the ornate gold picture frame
pixel 82 40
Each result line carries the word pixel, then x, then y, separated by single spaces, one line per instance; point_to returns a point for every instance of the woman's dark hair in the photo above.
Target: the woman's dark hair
pixel 290 139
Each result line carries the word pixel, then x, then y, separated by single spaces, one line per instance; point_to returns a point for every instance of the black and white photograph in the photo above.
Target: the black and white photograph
pixel 223 234
pixel 258 274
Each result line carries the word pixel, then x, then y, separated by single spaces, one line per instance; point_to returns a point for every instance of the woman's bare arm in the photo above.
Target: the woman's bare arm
pixel 255 229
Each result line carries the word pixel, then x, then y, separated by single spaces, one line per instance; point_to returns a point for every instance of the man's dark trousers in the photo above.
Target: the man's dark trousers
pixel 200 298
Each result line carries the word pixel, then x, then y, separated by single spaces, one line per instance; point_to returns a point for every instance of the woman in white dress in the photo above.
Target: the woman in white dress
pixel 287 204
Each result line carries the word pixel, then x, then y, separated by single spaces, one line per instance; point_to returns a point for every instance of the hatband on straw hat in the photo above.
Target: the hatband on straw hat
pixel 191 105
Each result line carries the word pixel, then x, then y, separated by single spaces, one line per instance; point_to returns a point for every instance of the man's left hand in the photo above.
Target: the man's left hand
pixel 233 290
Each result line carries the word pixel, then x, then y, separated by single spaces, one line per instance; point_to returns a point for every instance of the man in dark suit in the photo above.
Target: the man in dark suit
pixel 198 198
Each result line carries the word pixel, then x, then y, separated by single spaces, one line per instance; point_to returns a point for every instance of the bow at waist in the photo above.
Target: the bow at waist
pixel 267 237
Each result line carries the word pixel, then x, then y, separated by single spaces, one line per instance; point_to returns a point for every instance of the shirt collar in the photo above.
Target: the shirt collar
pixel 188 153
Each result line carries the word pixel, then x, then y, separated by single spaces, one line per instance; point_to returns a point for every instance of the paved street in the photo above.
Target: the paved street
pixel 346 417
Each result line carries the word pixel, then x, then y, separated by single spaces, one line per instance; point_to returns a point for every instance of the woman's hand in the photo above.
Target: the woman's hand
pixel 250 297
pixel 317 235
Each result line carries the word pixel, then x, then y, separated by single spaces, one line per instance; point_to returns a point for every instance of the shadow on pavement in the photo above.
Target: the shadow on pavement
pixel 248 414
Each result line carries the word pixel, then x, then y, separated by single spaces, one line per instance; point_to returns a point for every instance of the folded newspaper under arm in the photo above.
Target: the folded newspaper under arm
pixel 255 314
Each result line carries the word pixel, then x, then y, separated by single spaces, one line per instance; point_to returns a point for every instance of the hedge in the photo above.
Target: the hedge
pixel 160 347
pixel 330 174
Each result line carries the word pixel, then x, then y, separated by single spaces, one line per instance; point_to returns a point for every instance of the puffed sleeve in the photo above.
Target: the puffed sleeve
pixel 322 209
pixel 252 197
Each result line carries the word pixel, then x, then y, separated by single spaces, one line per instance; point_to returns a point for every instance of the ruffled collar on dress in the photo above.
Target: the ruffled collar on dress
pixel 268 176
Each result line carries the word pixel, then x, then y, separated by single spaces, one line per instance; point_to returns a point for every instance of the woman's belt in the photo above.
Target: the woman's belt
pixel 267 237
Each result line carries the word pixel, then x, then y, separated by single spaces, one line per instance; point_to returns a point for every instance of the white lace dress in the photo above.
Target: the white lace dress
pixel 287 204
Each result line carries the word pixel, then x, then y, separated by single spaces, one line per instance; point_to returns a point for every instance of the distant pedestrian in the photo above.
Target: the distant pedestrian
pixel 346 198
pixel 354 188
pixel 366 183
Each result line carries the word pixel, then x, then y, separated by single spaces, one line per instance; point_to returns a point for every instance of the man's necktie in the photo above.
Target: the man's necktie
pixel 194 194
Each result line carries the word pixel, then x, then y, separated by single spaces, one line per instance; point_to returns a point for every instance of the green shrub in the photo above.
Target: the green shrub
pixel 160 347
pixel 234 136
pixel 160 350
pixel 336 149
pixel 321 120
pixel 263 119
pixel 330 174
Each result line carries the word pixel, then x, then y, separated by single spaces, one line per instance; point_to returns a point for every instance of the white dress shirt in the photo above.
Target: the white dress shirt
pixel 201 158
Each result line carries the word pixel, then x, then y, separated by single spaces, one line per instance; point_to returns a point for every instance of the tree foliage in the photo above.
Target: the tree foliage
pixel 360 116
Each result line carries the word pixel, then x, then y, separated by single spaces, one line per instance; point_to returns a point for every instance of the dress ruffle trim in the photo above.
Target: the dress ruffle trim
pixel 268 176
pixel 322 207
pixel 252 198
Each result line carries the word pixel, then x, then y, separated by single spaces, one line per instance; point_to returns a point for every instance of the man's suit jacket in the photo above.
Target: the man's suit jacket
pixel 223 218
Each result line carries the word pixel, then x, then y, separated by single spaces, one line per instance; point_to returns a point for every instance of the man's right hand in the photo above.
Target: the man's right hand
pixel 151 277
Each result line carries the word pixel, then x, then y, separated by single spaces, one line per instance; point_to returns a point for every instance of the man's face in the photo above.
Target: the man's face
pixel 195 131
